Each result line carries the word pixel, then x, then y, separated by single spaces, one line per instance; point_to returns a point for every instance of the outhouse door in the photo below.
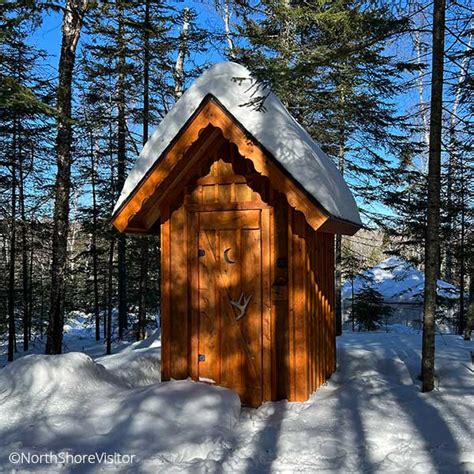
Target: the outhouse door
pixel 230 301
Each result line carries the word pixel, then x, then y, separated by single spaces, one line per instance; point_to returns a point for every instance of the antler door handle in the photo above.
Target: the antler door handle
pixel 241 304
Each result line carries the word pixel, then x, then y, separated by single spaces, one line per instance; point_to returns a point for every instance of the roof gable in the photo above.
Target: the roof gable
pixel 272 130
pixel 209 125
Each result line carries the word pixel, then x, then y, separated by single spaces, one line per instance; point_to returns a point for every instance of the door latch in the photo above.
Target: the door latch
pixel 201 358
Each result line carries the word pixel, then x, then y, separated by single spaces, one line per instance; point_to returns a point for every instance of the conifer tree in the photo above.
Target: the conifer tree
pixel 24 113
pixel 327 62
pixel 128 72
pixel 369 310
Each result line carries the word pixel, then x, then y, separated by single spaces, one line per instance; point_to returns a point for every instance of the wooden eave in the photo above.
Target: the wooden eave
pixel 203 130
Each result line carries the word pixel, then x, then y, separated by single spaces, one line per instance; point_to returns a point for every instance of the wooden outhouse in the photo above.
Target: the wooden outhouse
pixel 247 206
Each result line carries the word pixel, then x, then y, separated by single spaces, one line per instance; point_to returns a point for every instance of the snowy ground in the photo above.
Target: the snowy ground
pixel 371 416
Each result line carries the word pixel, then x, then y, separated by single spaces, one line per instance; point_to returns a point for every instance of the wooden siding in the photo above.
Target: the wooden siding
pixel 297 350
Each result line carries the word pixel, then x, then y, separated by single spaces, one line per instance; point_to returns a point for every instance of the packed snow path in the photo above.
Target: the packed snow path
pixel 371 416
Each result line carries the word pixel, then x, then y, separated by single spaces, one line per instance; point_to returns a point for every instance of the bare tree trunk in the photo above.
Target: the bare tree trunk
pixel 146 73
pixel 338 249
pixel 452 162
pixel 470 306
pixel 71 30
pixel 109 294
pixel 121 159
pixel 104 305
pixel 11 263
pixel 183 49
pixel 352 301
pixel 142 290
pixel 143 284
pixel 434 178
pixel 30 288
pixel 94 241
pixel 462 257
pixel 42 302
pixel 24 254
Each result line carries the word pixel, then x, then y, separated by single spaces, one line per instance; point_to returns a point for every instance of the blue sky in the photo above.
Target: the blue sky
pixel 48 37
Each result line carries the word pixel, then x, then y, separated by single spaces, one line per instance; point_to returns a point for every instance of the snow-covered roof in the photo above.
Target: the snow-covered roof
pixel 273 127
pixel 398 281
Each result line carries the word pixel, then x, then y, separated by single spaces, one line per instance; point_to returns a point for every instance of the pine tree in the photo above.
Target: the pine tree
pixel 369 310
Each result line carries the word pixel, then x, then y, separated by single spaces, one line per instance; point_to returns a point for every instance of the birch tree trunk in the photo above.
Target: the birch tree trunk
pixel 434 178
pixel 183 48
pixel 421 94
pixel 452 163
pixel 338 247
pixel 225 12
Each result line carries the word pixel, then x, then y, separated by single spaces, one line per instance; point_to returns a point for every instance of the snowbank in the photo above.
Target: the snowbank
pixel 137 365
pixel 70 403
pixel 397 281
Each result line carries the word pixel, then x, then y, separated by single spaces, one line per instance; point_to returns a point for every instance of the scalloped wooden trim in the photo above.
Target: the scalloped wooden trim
pixel 211 113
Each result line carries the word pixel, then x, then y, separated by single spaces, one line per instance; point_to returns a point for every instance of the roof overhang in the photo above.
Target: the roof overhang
pixel 211 120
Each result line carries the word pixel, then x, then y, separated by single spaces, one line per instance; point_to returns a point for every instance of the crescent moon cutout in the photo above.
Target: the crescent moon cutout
pixel 226 256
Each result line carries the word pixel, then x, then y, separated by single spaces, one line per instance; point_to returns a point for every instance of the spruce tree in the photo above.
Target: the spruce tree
pixel 369 310
pixel 327 62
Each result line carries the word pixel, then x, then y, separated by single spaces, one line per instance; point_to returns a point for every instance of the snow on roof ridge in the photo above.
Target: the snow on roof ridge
pixel 274 128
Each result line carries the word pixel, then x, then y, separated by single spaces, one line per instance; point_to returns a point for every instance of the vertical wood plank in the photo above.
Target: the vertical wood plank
pixel 280 304
pixel 326 309
pixel 267 326
pixel 312 331
pixel 193 272
pixel 232 357
pixel 165 295
pixel 179 295
pixel 320 312
pixel 300 347
pixel 291 313
pixel 252 323
pixel 332 294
